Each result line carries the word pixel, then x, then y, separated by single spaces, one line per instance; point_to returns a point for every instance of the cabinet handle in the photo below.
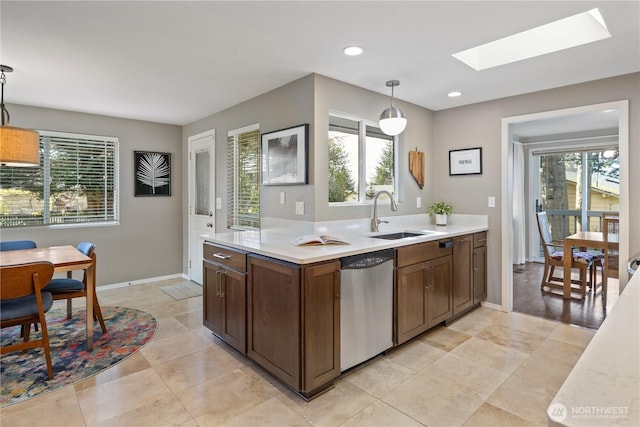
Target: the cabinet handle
pixel 336 279
pixel 475 262
pixel 221 255
pixel 219 274
pixel 223 283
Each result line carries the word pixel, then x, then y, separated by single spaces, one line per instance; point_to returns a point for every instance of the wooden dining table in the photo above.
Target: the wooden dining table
pixel 585 239
pixel 63 258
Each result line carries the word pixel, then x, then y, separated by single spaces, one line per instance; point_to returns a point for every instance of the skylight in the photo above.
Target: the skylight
pixel 576 30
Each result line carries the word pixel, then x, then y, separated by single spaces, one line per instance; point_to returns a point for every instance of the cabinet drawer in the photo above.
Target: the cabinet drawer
pixel 480 239
pixel 232 258
pixel 408 255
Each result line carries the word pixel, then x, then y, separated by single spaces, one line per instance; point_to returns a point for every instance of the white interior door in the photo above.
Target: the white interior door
pixel 201 197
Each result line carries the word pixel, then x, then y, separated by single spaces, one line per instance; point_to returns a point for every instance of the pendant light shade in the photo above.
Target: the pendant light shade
pixel 18 147
pixel 392 120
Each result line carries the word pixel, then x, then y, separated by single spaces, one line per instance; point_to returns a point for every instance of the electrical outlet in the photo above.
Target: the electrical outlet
pixel 218 203
pixel 299 208
pixel 282 197
pixel 492 202
pixel 418 202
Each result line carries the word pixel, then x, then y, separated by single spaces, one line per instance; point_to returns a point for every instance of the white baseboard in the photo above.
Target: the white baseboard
pixel 141 281
pixel 491 305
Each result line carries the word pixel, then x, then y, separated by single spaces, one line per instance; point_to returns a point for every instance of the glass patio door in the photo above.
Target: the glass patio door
pixel 574 188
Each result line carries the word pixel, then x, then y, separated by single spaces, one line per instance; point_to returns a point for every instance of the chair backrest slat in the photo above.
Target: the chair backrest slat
pixel 544 228
pixel 21 280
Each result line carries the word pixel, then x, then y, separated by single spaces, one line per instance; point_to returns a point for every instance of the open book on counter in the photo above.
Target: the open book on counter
pixel 318 240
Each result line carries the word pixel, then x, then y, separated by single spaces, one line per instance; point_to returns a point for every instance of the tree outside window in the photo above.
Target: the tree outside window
pixel 361 160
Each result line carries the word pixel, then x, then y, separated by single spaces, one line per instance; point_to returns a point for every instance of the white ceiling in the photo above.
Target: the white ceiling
pixel 176 62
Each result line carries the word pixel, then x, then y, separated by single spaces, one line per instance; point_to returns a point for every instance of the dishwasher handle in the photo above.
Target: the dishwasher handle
pixel 445 244
pixel 367 260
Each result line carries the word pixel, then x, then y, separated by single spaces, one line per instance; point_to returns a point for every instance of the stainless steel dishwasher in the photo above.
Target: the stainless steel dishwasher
pixel 366 306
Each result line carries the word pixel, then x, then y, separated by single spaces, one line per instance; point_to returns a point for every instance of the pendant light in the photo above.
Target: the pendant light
pixel 392 120
pixel 18 147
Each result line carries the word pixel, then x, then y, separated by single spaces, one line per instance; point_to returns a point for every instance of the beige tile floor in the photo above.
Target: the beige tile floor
pixel 488 369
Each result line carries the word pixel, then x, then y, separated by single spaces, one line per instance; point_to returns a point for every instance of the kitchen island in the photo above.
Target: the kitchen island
pixel 603 387
pixel 279 304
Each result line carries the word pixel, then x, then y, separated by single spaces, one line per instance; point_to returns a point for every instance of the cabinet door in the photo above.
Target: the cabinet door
pixel 411 306
pixel 439 290
pixel 462 274
pixel 321 325
pixel 213 306
pixel 225 302
pixel 234 300
pixel 479 274
pixel 273 328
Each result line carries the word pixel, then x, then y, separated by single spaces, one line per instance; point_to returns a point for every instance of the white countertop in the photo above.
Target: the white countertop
pixel 603 389
pixel 274 238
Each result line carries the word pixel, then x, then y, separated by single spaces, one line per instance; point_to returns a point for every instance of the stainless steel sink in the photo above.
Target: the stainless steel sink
pixel 398 235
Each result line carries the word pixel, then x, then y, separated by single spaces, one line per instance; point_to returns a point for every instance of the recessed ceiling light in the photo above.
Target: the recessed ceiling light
pixel 353 50
pixel 569 32
pixel 454 94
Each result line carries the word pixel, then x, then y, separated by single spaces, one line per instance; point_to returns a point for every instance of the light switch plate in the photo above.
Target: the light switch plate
pixel 218 203
pixel 492 202
pixel 299 208
pixel 282 197
pixel 418 202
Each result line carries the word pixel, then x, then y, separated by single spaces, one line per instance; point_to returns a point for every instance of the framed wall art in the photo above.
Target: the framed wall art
pixel 152 173
pixel 465 162
pixel 284 156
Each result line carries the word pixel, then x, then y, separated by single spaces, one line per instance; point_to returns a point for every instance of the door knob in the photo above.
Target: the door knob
pixel 210 224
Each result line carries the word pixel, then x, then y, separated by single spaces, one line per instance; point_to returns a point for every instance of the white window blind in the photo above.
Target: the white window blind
pixel 243 178
pixel 76 183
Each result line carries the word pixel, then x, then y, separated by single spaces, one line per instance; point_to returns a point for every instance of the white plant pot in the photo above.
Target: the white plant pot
pixel 441 219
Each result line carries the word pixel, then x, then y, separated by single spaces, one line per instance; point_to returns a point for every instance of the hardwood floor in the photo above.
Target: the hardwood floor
pixel 529 299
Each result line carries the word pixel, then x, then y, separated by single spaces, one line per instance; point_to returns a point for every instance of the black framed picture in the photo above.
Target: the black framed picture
pixel 284 156
pixel 465 162
pixel 152 173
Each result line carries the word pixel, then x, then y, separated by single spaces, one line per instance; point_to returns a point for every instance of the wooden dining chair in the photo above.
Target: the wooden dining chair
pixel 23 302
pixel 611 235
pixel 554 257
pixel 69 288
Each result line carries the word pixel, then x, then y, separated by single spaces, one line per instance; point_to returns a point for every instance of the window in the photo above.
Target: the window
pixel 77 183
pixel 243 178
pixel 361 160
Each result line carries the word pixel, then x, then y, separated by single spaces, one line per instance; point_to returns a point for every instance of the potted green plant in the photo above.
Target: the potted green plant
pixel 441 210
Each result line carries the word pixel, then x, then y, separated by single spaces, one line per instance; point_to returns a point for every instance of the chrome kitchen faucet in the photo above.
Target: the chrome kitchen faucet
pixel 375 222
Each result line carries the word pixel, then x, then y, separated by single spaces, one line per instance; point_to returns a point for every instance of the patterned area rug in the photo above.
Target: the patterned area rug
pixel 183 290
pixel 24 375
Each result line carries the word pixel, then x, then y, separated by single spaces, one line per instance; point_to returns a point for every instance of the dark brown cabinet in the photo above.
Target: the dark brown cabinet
pixel 469 272
pixel 286 316
pixel 423 288
pixel 225 294
pixel 293 327
pixel 462 274
pixel 479 267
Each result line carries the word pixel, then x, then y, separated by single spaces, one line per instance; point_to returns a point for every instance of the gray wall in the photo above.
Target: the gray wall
pixel 479 125
pixel 151 240
pixel 334 95
pixel 148 241
pixel 284 107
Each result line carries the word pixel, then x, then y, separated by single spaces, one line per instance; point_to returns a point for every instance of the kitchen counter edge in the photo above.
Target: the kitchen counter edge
pixel 277 244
